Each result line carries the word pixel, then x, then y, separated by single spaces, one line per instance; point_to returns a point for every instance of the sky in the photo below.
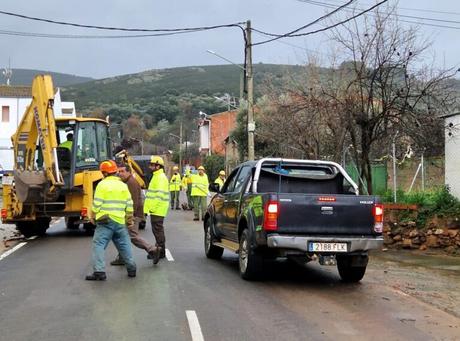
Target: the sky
pixel 109 57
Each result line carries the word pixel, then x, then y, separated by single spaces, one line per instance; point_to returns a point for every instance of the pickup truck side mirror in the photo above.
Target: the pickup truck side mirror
pixel 213 187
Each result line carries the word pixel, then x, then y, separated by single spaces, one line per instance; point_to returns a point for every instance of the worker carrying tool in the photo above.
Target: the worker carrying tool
pixel 220 180
pixel 157 201
pixel 125 174
pixel 200 184
pixel 175 187
pixel 112 210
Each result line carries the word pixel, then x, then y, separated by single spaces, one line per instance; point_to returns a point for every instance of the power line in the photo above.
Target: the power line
pixel 202 28
pixel 325 28
pixel 330 5
pixel 421 10
pixel 305 26
pixel 74 36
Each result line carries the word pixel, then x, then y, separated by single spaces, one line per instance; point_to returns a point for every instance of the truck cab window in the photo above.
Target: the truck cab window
pixel 230 183
pixel 242 177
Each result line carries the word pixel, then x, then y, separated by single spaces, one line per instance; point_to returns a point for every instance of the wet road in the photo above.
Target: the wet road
pixel 43 296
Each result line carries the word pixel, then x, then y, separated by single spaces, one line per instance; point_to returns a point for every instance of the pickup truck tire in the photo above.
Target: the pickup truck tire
pixel 211 251
pixel 349 273
pixel 89 228
pixel 249 260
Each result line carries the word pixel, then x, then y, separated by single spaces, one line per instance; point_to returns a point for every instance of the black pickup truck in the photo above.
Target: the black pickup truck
pixel 299 209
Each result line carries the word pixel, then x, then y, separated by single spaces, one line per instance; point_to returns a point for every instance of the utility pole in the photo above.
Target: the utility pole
pixel 250 91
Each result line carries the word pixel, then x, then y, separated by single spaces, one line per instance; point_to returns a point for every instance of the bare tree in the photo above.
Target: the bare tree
pixel 384 86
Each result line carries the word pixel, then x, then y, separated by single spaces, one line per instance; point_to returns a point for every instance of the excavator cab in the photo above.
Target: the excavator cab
pixel 83 144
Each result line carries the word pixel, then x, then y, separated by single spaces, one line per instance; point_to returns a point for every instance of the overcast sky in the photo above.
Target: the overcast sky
pixel 105 58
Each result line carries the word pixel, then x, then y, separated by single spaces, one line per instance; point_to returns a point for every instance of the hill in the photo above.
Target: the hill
pixel 152 85
pixel 25 76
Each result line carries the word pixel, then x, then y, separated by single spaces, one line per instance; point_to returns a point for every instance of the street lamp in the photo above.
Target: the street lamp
pixel 248 88
pixel 180 146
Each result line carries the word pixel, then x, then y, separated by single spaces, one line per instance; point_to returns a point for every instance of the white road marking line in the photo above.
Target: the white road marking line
pixel 169 256
pixel 9 252
pixel 32 238
pixel 194 325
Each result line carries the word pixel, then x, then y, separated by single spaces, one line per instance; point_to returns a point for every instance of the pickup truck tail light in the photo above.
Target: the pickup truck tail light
pixel 4 213
pixel 271 216
pixel 84 212
pixel 378 218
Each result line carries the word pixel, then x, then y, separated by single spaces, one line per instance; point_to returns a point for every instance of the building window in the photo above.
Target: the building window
pixel 5 113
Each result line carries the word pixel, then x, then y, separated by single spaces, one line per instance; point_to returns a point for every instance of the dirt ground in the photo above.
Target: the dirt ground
pixel 431 277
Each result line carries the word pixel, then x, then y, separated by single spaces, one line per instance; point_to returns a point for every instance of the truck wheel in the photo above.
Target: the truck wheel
pixel 89 228
pixel 211 251
pixel 349 273
pixel 250 261
pixel 70 223
pixel 33 228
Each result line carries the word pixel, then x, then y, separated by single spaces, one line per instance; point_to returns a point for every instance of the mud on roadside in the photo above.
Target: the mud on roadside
pixel 432 278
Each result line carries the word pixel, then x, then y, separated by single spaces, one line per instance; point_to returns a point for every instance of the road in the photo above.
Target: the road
pixel 43 296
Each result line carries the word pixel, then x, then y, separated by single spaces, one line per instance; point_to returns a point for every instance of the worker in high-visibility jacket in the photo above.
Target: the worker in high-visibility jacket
pixel 175 187
pixel 200 184
pixel 187 185
pixel 156 202
pixel 112 210
pixel 220 179
pixel 67 144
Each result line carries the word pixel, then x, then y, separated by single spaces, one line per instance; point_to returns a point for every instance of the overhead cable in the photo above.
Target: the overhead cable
pixel 324 28
pixel 98 27
pixel 307 25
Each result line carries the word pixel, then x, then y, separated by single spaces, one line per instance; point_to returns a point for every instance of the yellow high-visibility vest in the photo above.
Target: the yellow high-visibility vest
pixel 175 183
pixel 112 198
pixel 220 182
pixel 66 144
pixel 157 197
pixel 200 184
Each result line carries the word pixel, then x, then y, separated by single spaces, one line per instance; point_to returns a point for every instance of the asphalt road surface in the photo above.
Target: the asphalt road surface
pixel 43 296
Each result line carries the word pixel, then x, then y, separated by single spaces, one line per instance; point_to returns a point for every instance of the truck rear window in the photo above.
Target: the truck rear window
pixel 301 179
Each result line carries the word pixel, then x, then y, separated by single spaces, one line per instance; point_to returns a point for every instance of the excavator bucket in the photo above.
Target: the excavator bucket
pixel 30 186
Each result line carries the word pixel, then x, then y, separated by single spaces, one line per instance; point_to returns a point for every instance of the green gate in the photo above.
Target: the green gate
pixel 379 177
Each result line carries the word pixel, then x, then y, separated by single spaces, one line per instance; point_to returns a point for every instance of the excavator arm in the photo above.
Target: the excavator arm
pixel 33 184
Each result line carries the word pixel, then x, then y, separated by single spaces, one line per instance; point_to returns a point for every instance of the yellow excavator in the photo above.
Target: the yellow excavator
pixel 56 166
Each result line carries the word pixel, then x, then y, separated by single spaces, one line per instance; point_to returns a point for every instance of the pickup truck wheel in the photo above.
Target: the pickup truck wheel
pixel 249 260
pixel 349 273
pixel 212 251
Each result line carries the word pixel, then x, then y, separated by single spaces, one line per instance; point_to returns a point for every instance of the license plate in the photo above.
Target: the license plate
pixel 327 247
pixel 7 180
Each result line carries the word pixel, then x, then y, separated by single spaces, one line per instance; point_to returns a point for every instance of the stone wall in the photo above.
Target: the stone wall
pixel 404 233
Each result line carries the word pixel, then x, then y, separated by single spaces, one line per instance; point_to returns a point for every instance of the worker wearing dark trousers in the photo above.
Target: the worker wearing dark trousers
pixel 157 201
pixel 124 172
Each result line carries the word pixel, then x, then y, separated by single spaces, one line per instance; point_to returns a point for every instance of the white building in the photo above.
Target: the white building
pixel 13 102
pixel 452 153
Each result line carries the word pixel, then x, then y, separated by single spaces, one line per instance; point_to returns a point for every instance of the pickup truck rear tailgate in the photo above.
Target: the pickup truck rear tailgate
pixel 307 214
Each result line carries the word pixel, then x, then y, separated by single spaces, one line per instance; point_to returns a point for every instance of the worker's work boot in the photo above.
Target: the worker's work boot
pixel 132 273
pixel 118 261
pixel 96 276
pixel 155 255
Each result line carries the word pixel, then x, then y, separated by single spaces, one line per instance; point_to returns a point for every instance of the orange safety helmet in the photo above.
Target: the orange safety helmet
pixel 108 166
